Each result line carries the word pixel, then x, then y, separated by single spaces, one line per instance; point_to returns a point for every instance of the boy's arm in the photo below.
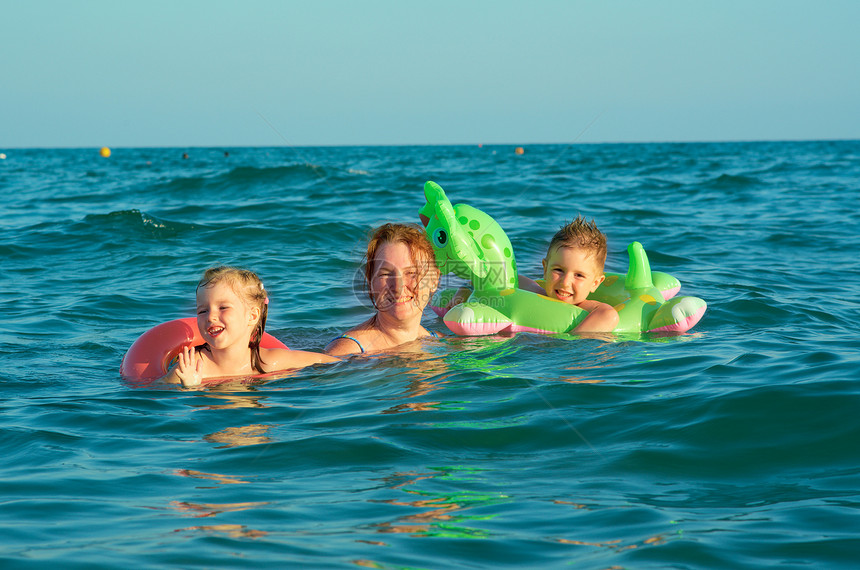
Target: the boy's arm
pixel 601 318
pixel 527 284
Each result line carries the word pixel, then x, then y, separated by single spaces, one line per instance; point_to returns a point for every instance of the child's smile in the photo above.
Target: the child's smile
pixel 570 274
pixel 222 316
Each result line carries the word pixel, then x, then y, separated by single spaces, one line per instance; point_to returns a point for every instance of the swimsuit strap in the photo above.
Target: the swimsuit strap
pixel 346 336
pixel 434 334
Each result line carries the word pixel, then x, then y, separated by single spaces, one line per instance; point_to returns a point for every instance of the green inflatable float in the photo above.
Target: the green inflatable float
pixel 471 244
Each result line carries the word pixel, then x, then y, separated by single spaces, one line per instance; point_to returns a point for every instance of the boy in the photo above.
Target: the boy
pixel 573 268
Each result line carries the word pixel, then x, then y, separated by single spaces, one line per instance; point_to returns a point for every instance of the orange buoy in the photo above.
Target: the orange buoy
pixel 105 152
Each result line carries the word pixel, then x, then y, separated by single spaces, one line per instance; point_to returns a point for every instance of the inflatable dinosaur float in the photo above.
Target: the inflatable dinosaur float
pixel 471 244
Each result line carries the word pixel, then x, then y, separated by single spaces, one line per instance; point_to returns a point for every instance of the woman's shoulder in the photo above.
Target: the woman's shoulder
pixel 356 340
pixel 345 344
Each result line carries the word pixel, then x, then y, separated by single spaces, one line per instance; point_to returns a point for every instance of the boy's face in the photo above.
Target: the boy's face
pixel 570 274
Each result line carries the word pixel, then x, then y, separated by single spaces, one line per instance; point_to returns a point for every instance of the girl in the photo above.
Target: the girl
pixel 232 306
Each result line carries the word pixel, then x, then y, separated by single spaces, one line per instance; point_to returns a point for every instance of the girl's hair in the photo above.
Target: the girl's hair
pixel 581 234
pixel 412 235
pixel 250 288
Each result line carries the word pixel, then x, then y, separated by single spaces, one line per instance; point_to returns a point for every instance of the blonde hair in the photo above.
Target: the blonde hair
pixel 581 234
pixel 250 288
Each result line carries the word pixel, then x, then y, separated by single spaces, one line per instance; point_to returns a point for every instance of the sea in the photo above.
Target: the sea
pixel 735 445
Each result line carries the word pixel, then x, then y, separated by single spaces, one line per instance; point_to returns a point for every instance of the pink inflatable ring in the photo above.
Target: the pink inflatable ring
pixel 152 354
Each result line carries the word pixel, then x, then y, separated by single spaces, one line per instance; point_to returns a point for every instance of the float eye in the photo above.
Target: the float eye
pixel 440 237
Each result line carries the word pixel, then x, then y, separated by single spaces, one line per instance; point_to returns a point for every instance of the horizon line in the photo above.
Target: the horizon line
pixel 476 144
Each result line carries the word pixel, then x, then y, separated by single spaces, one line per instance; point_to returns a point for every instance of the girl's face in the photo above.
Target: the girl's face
pixel 223 317
pixel 570 274
pixel 399 287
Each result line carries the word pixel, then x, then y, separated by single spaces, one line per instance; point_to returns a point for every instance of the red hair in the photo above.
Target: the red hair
pixel 412 236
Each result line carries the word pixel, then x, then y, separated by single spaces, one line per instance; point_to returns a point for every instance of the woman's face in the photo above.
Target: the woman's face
pixel 398 287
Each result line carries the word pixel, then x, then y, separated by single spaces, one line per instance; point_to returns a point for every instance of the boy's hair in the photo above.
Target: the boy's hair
pixel 411 235
pixel 581 234
pixel 250 288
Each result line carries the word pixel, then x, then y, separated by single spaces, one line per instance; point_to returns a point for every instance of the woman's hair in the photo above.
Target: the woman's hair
pixel 411 235
pixel 250 288
pixel 581 234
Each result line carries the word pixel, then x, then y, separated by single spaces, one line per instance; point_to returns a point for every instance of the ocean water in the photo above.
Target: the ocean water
pixel 733 446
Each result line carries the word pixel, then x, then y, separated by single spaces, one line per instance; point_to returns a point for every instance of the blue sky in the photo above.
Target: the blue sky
pixel 324 72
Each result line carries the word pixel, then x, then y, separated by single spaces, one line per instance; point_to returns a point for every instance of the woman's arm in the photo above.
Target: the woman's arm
pixel 285 359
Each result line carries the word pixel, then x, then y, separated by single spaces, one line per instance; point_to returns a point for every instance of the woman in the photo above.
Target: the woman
pixel 401 276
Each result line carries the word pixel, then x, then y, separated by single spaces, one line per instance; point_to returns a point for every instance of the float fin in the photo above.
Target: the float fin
pixel 639 271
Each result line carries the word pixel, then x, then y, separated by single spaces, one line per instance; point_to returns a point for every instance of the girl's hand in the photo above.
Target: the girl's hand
pixel 188 369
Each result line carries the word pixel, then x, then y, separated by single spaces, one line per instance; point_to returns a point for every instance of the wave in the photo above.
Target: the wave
pixel 726 181
pixel 246 179
pixel 128 222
